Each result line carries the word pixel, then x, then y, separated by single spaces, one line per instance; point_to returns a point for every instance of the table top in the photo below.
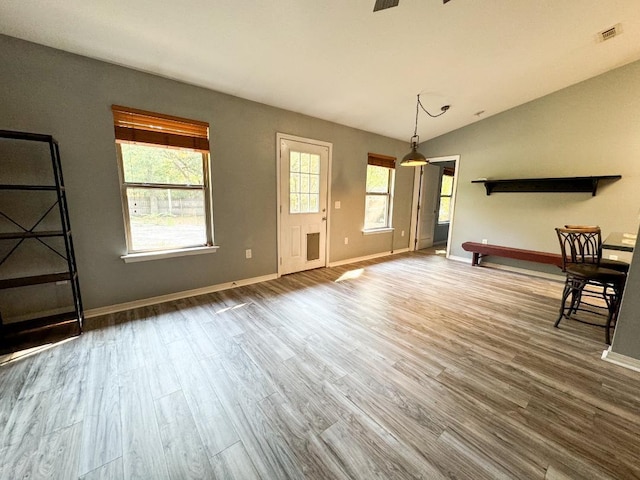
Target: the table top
pixel 620 241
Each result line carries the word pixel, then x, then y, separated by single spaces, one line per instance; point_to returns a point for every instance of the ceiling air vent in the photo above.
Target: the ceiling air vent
pixel 609 33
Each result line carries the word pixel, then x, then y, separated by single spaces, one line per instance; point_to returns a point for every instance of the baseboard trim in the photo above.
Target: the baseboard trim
pixel 145 302
pixel 367 257
pixel 621 360
pixel 459 259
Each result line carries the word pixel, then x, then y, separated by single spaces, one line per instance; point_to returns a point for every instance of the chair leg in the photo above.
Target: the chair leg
pixel 607 332
pixel 607 328
pixel 568 288
pixel 614 305
pixel 576 299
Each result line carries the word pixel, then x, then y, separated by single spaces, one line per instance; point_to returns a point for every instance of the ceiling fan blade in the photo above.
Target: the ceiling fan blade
pixel 382 4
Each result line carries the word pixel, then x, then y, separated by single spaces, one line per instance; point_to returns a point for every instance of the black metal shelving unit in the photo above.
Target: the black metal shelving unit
pixel 49 327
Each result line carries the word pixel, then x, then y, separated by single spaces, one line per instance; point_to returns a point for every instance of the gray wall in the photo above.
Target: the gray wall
pixel 48 91
pixel 626 339
pixel 30 163
pixel 591 128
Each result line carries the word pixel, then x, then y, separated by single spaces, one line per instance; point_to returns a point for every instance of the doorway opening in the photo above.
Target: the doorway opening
pixel 433 206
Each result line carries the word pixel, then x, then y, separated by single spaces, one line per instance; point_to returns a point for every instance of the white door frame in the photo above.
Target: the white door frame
pixel 416 197
pixel 329 146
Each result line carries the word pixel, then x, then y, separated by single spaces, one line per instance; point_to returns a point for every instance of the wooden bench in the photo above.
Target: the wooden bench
pixel 480 250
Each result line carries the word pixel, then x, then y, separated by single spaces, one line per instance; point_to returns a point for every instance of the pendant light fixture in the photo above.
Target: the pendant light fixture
pixel 414 158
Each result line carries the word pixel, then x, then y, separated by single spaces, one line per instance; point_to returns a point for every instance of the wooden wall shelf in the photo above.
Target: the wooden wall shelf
pixel 560 184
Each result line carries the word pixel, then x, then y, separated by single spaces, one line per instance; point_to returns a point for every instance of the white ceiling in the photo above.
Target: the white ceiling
pixel 337 60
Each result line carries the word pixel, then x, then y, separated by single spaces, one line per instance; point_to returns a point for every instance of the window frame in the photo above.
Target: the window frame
pixel 199 145
pixel 384 161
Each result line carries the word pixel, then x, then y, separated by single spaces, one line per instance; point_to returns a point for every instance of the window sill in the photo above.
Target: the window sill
pixel 182 252
pixel 375 231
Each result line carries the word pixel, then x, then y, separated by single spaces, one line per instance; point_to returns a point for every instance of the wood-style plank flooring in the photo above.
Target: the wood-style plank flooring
pixel 408 367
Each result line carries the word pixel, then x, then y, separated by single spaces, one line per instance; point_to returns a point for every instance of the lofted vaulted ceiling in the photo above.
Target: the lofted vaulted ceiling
pixel 338 60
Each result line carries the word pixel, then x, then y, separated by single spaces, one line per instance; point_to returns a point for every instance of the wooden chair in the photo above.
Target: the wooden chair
pixel 604 262
pixel 585 277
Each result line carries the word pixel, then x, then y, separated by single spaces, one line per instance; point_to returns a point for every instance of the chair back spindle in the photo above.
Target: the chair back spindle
pixel 579 245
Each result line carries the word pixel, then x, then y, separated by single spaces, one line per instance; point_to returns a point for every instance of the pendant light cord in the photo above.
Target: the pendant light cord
pixel 419 105
pixel 443 111
pixel 415 130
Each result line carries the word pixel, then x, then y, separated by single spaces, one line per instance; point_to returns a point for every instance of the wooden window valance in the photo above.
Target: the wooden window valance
pixel 138 126
pixel 450 171
pixel 381 160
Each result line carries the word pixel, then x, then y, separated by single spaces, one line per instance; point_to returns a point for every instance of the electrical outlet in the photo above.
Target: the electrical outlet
pixel 484 241
pixel 346 240
pixel 613 257
pixel 337 205
pixel 402 234
pixel 247 253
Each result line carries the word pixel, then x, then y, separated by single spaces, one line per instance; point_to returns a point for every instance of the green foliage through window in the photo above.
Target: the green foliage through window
pixel 144 164
pixel 165 196
pixel 446 190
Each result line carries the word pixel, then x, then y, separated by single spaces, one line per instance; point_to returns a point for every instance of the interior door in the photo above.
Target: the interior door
pixel 303 205
pixel 428 204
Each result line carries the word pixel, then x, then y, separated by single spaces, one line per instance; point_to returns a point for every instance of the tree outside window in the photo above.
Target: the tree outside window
pixel 446 189
pixel 165 195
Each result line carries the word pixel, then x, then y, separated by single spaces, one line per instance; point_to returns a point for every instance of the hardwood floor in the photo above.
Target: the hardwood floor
pixel 409 367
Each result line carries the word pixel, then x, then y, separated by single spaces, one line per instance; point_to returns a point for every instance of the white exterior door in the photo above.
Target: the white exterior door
pixel 303 205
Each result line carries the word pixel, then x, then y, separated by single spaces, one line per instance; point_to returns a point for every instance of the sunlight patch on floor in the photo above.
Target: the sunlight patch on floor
pixel 350 275
pixel 12 357
pixel 235 307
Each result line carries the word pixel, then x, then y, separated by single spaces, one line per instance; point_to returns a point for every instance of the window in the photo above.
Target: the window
pixel 378 202
pixel 304 182
pixel 446 189
pixel 164 176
